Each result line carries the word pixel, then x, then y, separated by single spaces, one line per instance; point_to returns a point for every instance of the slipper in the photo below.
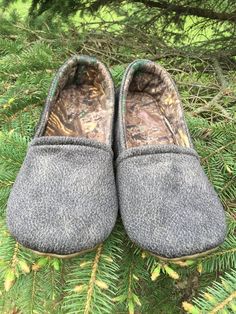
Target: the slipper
pixel 167 204
pixel 63 201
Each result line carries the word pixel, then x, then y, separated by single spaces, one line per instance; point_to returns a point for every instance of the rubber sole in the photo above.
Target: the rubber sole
pixel 64 256
pixel 186 257
pixel 175 259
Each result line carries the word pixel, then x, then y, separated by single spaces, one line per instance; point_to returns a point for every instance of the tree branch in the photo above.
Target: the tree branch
pixel 186 10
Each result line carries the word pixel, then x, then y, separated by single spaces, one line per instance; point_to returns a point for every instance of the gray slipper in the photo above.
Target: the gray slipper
pixel 167 204
pixel 64 198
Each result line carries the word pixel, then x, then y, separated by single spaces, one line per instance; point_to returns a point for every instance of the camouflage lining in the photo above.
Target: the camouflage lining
pixel 82 104
pixel 152 109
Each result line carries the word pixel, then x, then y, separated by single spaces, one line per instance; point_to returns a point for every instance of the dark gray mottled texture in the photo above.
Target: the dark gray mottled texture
pixel 167 204
pixel 64 198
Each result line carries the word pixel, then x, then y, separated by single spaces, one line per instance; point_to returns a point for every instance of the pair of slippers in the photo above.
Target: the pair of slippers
pixel 65 198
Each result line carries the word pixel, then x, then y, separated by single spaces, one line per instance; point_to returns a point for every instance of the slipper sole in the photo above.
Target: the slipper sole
pixel 185 257
pixel 64 256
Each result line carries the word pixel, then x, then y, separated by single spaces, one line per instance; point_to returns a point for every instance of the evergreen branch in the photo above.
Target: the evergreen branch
pixel 129 277
pixel 33 290
pixel 223 82
pixel 37 292
pixel 218 150
pixel 222 259
pixel 92 280
pixel 15 262
pixel 187 10
pixel 14 257
pixel 232 222
pixel 218 298
pixel 125 279
pixel 12 152
pixel 224 303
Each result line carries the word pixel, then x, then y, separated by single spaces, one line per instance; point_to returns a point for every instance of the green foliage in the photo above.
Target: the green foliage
pixel 91 281
pixel 12 152
pixel 117 277
pixel 188 22
pixel 222 259
pixel 132 273
pixel 220 298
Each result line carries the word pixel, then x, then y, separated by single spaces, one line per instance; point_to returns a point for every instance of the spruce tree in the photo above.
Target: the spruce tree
pixel 117 277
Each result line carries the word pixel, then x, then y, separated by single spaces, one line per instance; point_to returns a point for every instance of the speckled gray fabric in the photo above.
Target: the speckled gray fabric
pixel 64 198
pixel 167 204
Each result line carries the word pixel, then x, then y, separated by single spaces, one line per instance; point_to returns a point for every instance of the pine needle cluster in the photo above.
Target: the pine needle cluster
pixel 117 277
